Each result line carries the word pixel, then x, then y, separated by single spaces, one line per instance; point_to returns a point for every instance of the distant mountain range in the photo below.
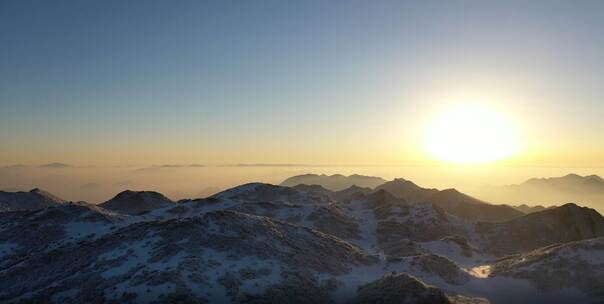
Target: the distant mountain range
pixel 262 243
pixel 334 182
pixel 587 190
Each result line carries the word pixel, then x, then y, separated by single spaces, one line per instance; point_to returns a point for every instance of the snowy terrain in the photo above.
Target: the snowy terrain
pixel 261 243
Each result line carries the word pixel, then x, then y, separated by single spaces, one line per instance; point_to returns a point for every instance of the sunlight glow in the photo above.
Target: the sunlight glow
pixel 470 134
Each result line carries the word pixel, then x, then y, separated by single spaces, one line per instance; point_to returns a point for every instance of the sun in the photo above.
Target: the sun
pixel 471 134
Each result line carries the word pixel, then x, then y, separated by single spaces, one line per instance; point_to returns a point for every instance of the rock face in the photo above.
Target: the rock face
pixel 135 202
pixel 334 182
pixel 32 200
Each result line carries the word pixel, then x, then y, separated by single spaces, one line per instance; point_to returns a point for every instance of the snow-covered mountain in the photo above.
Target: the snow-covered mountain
pixel 222 255
pixel 450 200
pixel 577 265
pixel 32 200
pixel 261 243
pixel 26 232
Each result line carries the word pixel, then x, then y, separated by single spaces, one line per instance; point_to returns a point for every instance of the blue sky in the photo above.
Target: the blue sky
pixel 262 81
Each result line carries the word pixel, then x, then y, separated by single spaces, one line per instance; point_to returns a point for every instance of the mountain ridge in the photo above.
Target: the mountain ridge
pixel 33 199
pixel 266 243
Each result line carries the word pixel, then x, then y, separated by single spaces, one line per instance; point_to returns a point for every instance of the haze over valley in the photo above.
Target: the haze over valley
pixel 97 184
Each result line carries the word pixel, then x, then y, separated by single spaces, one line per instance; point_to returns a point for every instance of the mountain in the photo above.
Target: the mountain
pixel 588 190
pixel 334 182
pixel 351 193
pixel 403 288
pixel 450 200
pixel 566 223
pixel 301 207
pixel 219 256
pixel 32 200
pixel 407 190
pixel 530 209
pixel 258 192
pixel 570 183
pixel 26 232
pixel 54 165
pixel 470 208
pixel 381 223
pixel 135 202
pixel 262 243
pixel 577 265
pixel 222 256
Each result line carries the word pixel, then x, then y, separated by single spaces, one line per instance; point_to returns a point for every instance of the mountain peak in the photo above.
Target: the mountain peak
pixel 451 191
pixel 572 176
pixel 135 202
pixel 572 206
pixel 31 200
pixel 46 195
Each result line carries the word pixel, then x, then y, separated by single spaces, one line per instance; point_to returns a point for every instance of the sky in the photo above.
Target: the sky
pixel 332 83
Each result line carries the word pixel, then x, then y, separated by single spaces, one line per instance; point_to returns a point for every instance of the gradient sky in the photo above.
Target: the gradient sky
pixel 321 82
